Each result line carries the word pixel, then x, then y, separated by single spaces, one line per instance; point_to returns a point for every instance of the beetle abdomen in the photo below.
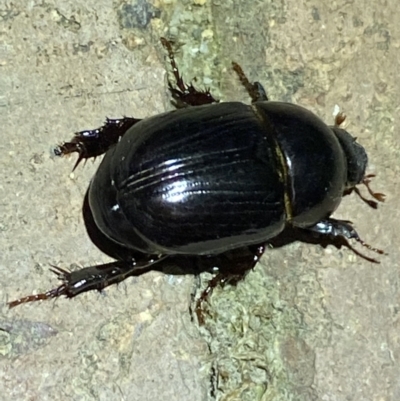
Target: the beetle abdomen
pixel 200 180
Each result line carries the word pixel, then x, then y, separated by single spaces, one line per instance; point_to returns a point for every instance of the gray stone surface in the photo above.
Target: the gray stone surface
pixel 308 323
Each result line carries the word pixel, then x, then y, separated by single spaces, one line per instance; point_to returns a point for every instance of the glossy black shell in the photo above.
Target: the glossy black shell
pixel 207 179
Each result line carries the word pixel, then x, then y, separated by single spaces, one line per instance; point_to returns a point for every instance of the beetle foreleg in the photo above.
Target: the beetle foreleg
pixel 342 230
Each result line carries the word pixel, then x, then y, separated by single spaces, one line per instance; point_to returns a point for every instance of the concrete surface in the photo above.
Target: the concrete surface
pixel 308 323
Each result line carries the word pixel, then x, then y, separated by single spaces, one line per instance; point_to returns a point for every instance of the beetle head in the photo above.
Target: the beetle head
pixel 356 157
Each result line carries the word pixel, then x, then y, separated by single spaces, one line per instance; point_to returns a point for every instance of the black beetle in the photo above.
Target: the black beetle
pixel 209 180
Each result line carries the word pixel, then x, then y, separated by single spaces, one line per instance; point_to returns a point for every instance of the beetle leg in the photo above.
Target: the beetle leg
pixel 184 95
pixel 93 143
pixel 255 89
pixel 90 278
pixel 342 230
pixel 233 267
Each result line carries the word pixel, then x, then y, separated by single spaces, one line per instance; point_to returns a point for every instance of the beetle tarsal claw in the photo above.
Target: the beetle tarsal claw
pixel 62 289
pixel 54 293
pixel 370 247
pixel 354 235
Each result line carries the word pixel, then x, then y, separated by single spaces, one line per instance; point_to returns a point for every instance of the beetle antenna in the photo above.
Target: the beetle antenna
pixel 339 119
